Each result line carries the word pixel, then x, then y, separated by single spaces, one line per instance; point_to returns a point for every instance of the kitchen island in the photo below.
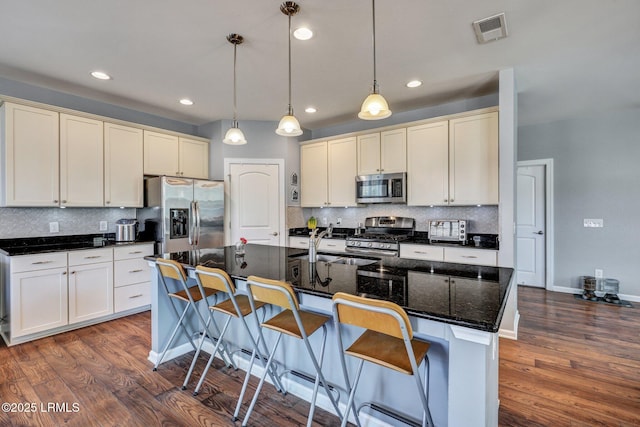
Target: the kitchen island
pixel 457 307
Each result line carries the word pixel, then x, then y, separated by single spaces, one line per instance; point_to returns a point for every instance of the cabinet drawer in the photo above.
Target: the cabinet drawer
pixel 35 262
pixel 298 242
pixel 132 296
pixel 90 256
pixel 130 271
pixel 332 245
pixel 426 252
pixel 132 251
pixel 471 256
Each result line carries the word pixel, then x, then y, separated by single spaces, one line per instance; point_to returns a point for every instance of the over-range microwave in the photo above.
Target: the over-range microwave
pixel 382 188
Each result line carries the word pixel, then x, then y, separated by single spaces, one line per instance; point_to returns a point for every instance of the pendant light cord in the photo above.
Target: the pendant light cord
pixel 235 109
pixel 290 108
pixel 375 81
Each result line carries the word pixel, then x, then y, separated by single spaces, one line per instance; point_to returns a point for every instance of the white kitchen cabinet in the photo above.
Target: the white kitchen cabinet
pixel 193 158
pixel 471 256
pixel 423 252
pixel 81 161
pixel 327 173
pixel 383 152
pixel 90 284
pixel 326 245
pixel 473 160
pixel 123 166
pixel 29 148
pixel 299 242
pixel 428 164
pixel 38 293
pixel 166 154
pixel 131 285
pixel 453 162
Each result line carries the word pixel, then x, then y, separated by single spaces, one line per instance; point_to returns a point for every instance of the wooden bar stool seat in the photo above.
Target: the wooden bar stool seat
pixel 387 341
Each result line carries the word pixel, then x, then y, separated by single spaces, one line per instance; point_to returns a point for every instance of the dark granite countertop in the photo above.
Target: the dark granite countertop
pixel 459 294
pixel 36 245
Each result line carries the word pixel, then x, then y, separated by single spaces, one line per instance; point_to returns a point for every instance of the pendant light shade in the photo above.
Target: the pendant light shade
pixel 234 135
pixel 374 107
pixel 289 125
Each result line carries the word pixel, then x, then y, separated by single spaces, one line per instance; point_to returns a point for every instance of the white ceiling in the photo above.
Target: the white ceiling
pixel 571 57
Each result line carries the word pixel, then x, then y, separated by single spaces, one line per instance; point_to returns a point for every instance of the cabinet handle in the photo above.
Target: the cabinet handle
pixel 469 256
pixel 331 246
pixel 93 257
pixel 73 272
pixel 446 200
pixel 55 201
pixel 107 202
pixel 64 273
pixel 41 262
pixel 381 170
pixel 420 252
pixel 136 296
pixel 135 271
pixel 64 201
pixel 451 200
pixel 135 252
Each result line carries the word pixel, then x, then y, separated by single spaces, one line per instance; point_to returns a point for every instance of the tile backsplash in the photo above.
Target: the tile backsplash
pixel 483 219
pixel 34 222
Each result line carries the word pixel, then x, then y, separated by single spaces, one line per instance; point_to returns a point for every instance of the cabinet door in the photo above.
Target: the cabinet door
pixel 90 291
pixel 313 174
pixel 342 172
pixel 30 139
pixel 194 158
pixel 473 160
pixel 369 154
pixel 38 301
pixel 298 242
pixel 471 256
pixel 424 252
pixel 160 154
pixel 428 164
pixel 393 151
pixel 81 161
pixel 123 166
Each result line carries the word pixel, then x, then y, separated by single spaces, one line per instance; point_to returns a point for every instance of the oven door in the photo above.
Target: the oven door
pixel 380 285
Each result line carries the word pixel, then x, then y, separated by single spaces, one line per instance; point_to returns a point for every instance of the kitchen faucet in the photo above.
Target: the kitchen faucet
pixel 314 241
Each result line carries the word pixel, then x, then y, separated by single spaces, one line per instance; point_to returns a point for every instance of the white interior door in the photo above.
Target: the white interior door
pixel 256 203
pixel 531 232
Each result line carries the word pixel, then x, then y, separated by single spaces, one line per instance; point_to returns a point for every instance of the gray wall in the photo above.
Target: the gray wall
pixel 596 176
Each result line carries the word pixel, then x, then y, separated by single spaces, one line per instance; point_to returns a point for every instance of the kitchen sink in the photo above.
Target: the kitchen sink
pixel 339 259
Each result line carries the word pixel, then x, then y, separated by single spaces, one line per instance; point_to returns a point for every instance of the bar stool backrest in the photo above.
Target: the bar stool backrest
pixel 377 315
pixel 171 269
pixel 215 278
pixel 274 292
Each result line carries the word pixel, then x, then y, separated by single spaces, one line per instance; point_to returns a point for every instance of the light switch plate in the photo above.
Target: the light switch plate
pixel 103 225
pixel 593 222
pixel 54 227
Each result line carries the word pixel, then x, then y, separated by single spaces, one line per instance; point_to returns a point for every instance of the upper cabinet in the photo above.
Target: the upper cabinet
pixel 382 152
pixel 328 171
pixel 453 162
pixel 29 147
pixel 123 172
pixel 166 154
pixel 81 161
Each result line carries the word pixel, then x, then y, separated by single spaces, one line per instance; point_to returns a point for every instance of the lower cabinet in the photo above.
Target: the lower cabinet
pixel 458 255
pixel 90 284
pixel 326 245
pixel 131 285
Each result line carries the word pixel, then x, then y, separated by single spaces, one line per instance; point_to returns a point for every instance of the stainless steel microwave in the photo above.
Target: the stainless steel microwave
pixel 382 188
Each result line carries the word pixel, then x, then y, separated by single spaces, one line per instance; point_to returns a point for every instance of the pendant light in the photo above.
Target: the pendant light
pixel 234 135
pixel 374 107
pixel 289 125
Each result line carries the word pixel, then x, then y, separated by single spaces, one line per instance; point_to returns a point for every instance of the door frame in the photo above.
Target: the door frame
pixel 228 161
pixel 549 209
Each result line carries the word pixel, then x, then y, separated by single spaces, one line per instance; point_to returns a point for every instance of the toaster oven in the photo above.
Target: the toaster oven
pixel 448 230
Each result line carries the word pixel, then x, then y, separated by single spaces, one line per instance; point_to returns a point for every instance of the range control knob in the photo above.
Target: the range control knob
pixel 370 244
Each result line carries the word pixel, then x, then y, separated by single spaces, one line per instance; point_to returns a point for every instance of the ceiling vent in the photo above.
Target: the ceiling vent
pixel 491 28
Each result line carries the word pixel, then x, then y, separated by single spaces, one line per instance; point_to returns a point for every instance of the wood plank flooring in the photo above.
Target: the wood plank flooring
pixel 575 364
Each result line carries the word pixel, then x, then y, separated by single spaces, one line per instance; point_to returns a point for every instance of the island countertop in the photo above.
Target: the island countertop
pixel 464 295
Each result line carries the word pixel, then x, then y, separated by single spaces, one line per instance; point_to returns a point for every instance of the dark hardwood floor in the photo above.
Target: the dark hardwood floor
pixel 575 364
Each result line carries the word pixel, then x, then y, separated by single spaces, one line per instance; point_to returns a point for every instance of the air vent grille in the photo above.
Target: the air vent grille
pixel 491 28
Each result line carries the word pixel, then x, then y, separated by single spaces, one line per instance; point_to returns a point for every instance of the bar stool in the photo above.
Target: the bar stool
pixel 189 296
pixel 236 306
pixel 387 341
pixel 290 321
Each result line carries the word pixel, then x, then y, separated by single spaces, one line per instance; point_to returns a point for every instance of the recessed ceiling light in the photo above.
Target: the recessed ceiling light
pixel 303 33
pixel 186 101
pixel 310 110
pixel 101 75
pixel 414 83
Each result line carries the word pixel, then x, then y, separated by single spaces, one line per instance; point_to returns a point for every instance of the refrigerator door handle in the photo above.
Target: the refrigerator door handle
pixel 192 223
pixel 197 233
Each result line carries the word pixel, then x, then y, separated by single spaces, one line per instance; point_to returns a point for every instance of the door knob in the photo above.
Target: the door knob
pixel 540 232
pixel 275 233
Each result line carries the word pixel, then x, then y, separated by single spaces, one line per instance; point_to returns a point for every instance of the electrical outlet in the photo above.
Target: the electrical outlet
pixel 103 225
pixel 599 273
pixel 339 221
pixel 54 227
pixel 593 222
pixel 324 220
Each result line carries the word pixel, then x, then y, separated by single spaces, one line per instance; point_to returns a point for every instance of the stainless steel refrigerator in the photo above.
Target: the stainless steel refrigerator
pixel 182 214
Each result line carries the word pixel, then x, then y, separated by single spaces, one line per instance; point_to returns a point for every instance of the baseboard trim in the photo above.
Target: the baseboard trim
pixel 508 333
pixel 569 290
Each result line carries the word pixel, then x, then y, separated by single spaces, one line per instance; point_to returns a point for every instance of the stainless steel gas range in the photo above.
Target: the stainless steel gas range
pixel 382 235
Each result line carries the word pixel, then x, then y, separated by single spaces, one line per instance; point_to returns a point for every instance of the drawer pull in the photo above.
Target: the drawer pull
pixel 41 262
pixel 469 256
pixel 136 296
pixel 420 252
pixel 135 252
pixel 136 271
pixel 93 257
pixel 331 246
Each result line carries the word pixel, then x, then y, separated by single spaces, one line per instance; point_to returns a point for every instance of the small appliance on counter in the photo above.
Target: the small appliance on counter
pixel 126 230
pixel 448 230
